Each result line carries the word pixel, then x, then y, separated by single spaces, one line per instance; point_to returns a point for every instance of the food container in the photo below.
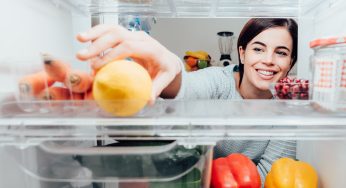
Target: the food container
pixel 291 88
pixel 30 85
pixel 329 72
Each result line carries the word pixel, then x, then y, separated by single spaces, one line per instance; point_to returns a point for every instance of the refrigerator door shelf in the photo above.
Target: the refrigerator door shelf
pixel 188 122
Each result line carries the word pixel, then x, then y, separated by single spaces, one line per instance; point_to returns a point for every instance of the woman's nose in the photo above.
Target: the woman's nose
pixel 268 58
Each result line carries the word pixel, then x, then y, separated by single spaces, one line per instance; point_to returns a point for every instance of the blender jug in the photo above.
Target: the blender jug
pixel 225 46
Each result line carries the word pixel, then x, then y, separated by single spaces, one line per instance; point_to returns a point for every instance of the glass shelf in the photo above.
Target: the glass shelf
pixel 186 121
pixel 192 8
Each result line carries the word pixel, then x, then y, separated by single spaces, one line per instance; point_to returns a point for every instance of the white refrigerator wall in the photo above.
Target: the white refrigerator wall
pixel 328 157
pixel 29 27
pixel 325 20
pixel 49 28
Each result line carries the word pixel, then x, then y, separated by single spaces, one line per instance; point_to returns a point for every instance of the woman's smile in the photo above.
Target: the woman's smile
pixel 266 74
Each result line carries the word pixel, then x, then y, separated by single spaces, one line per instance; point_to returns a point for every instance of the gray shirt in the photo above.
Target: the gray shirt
pixel 219 83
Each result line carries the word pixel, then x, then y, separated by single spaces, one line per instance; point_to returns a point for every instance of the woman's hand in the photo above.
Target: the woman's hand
pixel 115 42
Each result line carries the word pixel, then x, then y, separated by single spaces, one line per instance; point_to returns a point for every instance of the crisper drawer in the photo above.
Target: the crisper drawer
pixel 128 163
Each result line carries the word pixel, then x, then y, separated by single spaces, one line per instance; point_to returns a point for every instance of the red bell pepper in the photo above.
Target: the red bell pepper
pixel 235 171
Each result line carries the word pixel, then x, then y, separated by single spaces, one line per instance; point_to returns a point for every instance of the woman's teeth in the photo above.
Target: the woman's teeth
pixel 266 73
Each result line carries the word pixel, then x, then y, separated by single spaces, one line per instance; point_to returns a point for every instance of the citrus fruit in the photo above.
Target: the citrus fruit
pixel 122 88
pixel 202 64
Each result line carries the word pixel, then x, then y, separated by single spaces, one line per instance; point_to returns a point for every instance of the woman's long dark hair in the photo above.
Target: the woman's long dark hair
pixel 256 25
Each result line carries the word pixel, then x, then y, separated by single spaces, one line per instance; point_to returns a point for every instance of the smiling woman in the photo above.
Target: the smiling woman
pixel 267 50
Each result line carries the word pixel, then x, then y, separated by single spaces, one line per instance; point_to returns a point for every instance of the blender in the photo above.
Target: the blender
pixel 225 46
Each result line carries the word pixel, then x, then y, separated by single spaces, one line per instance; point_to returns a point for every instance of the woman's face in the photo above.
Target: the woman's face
pixel 267 57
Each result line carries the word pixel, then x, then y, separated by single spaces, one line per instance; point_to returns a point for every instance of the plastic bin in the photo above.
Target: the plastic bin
pixel 124 163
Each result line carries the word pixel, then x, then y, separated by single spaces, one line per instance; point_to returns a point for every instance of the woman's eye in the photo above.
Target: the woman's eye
pixel 257 49
pixel 282 53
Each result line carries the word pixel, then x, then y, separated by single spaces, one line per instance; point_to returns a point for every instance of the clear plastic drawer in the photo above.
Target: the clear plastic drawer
pixel 81 163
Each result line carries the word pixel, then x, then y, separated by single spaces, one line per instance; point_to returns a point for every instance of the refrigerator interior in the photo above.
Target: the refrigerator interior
pixel 32 27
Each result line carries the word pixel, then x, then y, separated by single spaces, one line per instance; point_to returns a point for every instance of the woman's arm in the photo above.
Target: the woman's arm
pixel 172 90
pixel 208 83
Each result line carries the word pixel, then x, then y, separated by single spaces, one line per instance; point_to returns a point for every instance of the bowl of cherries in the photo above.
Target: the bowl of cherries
pixel 291 88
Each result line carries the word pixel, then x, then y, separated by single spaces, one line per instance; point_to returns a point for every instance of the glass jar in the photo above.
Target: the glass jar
pixel 329 72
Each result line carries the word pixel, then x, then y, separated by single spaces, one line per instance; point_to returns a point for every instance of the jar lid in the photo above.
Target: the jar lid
pixel 327 41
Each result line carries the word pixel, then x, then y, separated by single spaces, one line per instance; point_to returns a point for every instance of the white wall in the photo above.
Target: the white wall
pixel 184 34
pixel 28 27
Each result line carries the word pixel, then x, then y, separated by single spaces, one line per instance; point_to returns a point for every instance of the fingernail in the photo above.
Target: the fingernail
pixel 83 52
pixel 83 35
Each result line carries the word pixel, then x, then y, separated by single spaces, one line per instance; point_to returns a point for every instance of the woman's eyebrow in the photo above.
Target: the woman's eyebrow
pixel 278 47
pixel 260 43
pixel 283 47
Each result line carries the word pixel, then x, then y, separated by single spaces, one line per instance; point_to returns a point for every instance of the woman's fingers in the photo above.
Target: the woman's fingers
pixel 126 49
pixel 103 38
pixel 97 31
pixel 98 46
pixel 118 52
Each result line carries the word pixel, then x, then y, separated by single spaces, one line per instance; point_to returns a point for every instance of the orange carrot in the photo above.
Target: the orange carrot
pixel 78 81
pixel 55 68
pixel 55 93
pixel 33 84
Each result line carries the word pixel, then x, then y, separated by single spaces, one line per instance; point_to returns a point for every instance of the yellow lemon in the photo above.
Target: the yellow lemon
pixel 122 88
